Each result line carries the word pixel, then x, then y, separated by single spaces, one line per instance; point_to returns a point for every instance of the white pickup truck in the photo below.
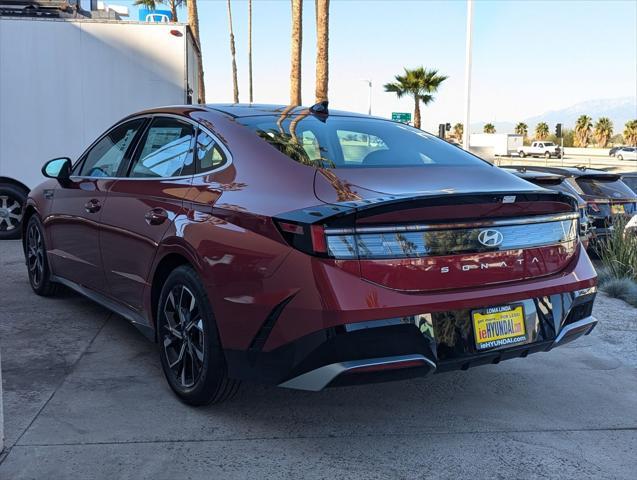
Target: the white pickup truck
pixel 540 149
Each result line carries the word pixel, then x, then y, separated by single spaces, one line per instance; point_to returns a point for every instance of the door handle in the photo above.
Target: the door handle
pixel 156 216
pixel 93 206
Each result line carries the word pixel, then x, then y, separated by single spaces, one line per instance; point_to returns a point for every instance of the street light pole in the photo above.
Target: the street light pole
pixel 369 84
pixel 467 67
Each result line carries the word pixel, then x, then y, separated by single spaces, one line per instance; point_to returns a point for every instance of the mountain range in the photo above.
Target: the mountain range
pixel 619 110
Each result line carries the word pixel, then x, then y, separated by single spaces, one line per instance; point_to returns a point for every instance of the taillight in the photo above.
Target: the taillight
pixel 292 228
pixel 416 241
pixel 319 245
pixel 426 240
pixel 304 237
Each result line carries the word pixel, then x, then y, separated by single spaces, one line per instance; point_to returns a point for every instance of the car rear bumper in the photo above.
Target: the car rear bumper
pixel 401 348
pixel 352 371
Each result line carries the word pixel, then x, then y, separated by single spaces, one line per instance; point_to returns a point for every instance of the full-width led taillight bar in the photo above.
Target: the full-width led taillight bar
pixel 407 241
pixel 423 240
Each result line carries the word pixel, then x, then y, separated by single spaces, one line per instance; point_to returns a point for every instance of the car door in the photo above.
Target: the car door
pixel 73 223
pixel 144 206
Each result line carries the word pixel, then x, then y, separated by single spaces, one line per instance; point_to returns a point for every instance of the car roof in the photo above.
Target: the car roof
pixel 238 110
pixel 259 109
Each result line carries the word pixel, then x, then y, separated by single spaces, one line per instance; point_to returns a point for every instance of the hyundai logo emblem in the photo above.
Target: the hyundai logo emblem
pixel 490 238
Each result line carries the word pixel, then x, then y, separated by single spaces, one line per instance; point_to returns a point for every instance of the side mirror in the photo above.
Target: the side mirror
pixel 58 168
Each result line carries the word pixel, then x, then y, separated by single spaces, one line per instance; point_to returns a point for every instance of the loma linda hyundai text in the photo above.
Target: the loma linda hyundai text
pixel 308 248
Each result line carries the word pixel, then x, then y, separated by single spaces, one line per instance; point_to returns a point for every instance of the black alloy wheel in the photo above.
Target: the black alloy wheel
pixel 189 347
pixel 183 336
pixel 36 259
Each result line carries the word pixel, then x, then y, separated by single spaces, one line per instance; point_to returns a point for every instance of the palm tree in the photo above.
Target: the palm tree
pixel 603 131
pixel 458 130
pixel 583 130
pixel 542 131
pixel 251 99
pixel 420 83
pixel 193 22
pixel 322 47
pixel 173 5
pixel 297 42
pixel 233 52
pixel 489 128
pixel 522 129
pixel 630 133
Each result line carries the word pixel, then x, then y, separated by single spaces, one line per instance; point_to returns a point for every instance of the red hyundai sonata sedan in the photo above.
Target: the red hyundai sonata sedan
pixel 308 248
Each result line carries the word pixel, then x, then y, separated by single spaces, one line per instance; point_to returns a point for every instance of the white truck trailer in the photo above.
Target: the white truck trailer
pixel 63 81
pixel 496 144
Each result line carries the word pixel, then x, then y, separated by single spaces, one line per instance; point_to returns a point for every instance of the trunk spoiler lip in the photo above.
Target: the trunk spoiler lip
pixel 323 211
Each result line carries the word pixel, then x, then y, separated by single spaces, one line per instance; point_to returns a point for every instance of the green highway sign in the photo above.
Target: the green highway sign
pixel 401 117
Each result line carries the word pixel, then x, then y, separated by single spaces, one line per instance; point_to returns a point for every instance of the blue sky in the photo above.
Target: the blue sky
pixel 529 56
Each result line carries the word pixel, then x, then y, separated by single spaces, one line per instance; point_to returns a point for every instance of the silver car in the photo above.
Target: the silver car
pixel 626 153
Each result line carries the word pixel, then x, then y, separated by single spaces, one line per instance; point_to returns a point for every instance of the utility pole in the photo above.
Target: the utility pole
pixel 467 69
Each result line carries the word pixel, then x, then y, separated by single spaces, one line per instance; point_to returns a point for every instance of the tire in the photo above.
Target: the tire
pixel 189 348
pixel 12 202
pixel 620 158
pixel 547 155
pixel 37 261
pixel 522 154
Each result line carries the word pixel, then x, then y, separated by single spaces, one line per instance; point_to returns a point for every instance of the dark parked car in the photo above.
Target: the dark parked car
pixel 557 182
pixel 307 248
pixel 604 192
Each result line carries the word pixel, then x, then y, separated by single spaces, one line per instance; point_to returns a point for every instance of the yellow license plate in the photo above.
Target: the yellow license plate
pixel 499 326
pixel 617 209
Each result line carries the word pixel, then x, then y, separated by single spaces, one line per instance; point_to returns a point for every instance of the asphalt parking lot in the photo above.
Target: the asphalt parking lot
pixel 84 397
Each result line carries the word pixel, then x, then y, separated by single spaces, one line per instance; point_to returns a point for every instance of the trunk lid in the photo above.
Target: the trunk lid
pixel 417 229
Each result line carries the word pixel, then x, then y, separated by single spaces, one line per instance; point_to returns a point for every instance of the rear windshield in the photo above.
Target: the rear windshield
pixel 345 142
pixel 631 182
pixel 611 188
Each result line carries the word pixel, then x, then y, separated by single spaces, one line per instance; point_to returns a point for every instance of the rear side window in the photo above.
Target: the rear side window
pixel 164 150
pixel 104 159
pixel 355 142
pixel 209 154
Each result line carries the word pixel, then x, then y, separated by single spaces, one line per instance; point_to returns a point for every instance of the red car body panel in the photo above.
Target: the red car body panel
pixel 343 299
pixel 223 224
pixel 128 240
pixel 73 231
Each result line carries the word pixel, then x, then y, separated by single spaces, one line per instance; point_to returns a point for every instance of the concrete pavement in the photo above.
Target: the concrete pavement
pixel 85 398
